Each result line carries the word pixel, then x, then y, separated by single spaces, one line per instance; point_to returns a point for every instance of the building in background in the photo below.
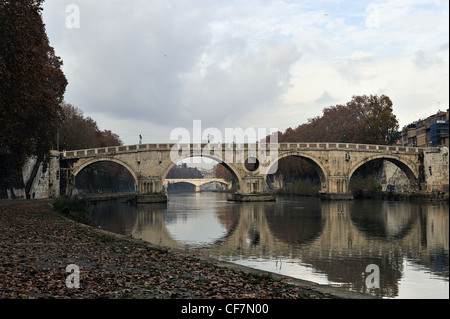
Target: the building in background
pixel 432 131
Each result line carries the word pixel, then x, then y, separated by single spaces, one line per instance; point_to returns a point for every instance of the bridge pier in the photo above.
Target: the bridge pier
pixel 336 196
pixel 150 190
pixel 337 189
pixel 253 189
pixel 261 197
pixel 151 198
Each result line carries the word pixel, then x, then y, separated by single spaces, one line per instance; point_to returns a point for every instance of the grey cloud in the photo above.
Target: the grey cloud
pixel 357 67
pixel 425 60
pixel 251 83
pixel 161 64
pixel 148 62
pixel 130 57
pixel 326 99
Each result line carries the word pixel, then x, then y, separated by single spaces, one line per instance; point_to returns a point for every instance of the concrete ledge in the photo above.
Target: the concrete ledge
pixel 151 198
pixel 106 197
pixel 263 197
pixel 336 196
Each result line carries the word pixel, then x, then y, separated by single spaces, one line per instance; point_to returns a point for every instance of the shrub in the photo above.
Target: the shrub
pixel 365 187
pixel 73 207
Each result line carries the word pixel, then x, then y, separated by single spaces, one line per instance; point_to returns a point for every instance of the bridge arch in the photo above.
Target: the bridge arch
pixel 181 181
pixel 315 162
pixel 234 171
pixel 91 161
pixel 410 170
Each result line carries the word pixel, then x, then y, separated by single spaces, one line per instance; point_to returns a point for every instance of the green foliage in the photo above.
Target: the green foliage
pixel 257 278
pixel 302 187
pixel 73 207
pixel 365 187
pixel 104 238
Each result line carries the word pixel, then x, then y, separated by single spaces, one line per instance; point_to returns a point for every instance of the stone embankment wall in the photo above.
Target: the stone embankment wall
pixel 392 178
pixel 40 187
pixel 436 170
pixel 45 183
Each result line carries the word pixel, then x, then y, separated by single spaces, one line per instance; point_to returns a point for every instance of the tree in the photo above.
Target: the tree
pixel 32 86
pixel 183 171
pixel 379 125
pixel 365 119
pixel 222 172
pixel 79 132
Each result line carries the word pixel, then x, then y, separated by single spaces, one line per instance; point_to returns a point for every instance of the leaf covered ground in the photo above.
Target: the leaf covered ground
pixel 37 244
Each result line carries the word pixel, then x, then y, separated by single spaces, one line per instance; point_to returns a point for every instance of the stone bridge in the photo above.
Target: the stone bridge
pixel 197 182
pixel 250 164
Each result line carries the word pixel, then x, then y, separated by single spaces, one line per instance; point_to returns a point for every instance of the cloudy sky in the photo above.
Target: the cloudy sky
pixel 149 66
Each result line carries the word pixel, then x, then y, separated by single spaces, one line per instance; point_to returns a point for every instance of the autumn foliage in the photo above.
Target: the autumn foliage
pixel 32 87
pixel 32 83
pixel 365 119
pixel 33 117
pixel 79 132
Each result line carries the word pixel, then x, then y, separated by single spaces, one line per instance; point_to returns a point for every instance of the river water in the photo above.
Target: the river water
pixel 405 244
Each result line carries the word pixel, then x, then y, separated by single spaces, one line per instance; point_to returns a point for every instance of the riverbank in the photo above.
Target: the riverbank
pixel 392 196
pixel 37 244
pixel 105 197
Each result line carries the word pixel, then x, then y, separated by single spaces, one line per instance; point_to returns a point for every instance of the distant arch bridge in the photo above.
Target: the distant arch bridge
pixel 197 182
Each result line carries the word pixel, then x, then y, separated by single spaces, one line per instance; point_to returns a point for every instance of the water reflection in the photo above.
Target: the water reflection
pixel 326 242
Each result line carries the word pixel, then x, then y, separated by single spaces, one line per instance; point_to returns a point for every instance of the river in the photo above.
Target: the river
pixel 405 244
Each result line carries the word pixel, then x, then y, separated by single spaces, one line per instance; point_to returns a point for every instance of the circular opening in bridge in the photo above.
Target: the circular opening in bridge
pixel 251 164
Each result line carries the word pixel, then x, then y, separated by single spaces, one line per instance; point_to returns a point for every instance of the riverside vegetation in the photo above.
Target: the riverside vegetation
pixel 360 187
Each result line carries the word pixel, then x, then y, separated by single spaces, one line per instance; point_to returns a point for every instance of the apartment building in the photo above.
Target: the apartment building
pixel 432 131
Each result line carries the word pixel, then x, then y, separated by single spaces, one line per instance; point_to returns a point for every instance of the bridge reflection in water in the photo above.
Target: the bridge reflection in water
pixel 326 242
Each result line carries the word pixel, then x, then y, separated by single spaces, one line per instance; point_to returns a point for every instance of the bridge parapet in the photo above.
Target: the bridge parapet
pixel 232 146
